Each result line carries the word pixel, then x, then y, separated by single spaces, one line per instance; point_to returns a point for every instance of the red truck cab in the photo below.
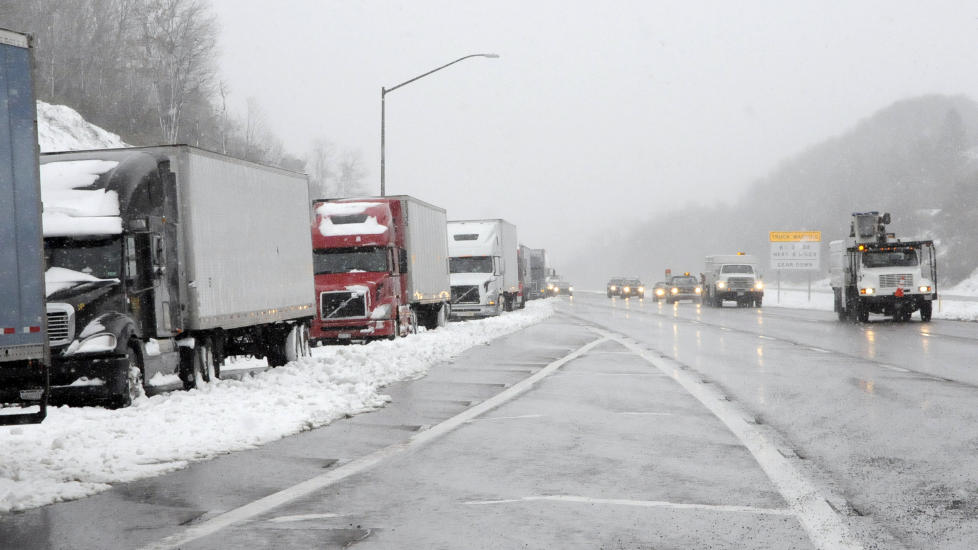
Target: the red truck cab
pixel 356 256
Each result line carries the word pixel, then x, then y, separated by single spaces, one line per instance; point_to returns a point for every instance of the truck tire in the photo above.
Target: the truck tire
pixel 297 343
pixel 926 309
pixel 197 363
pixel 133 384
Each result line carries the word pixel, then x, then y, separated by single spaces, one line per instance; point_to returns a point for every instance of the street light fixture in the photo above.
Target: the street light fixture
pixel 383 95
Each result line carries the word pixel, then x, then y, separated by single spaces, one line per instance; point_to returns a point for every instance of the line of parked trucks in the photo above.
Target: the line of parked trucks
pixel 151 265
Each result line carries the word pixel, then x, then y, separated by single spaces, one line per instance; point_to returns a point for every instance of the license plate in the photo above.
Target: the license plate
pixel 31 395
pixel 465 313
pixel 343 335
pixel 740 293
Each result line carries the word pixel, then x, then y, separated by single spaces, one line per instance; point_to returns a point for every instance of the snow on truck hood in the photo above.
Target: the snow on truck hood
pixel 72 210
pixel 60 278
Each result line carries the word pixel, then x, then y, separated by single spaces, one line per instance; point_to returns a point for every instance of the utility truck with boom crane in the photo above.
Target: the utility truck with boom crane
pixel 874 272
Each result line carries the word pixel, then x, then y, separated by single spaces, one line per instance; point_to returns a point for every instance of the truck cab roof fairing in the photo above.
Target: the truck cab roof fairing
pixel 352 223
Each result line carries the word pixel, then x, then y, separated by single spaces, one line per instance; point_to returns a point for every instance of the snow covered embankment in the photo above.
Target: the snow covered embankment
pixel 79 451
pixel 61 128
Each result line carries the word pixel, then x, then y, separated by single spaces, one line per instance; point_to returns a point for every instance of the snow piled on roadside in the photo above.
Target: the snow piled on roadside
pixel 61 128
pixel 77 452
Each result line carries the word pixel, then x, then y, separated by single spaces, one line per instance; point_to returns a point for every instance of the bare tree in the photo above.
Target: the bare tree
pixel 178 38
pixel 351 175
pixel 320 166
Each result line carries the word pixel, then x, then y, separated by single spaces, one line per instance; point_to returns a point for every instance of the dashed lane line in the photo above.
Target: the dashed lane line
pixel 639 503
pixel 364 463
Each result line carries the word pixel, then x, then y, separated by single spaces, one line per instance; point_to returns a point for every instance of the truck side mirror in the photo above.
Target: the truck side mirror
pixel 886 218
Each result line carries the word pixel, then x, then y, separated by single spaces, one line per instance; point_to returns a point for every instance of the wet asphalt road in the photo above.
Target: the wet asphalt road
pixel 603 451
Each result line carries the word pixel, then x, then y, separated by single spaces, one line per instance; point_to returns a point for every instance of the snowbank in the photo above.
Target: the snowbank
pixel 80 451
pixel 61 128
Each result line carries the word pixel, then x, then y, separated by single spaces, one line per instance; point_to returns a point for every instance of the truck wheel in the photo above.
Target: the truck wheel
pixel 197 364
pixel 133 385
pixel 297 343
pixel 926 309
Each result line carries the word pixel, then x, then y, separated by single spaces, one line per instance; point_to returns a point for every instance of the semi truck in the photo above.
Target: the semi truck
pixel 536 285
pixel 24 351
pixel 162 261
pixel 381 268
pixel 873 271
pixel 483 267
pixel 732 277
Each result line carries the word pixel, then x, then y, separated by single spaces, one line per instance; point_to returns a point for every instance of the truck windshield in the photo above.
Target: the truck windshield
pixel 684 280
pixel 470 264
pixel 99 257
pixel 737 268
pixel 349 260
pixel 890 258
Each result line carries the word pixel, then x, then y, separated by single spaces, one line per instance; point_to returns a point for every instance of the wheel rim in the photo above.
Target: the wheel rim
pixel 134 378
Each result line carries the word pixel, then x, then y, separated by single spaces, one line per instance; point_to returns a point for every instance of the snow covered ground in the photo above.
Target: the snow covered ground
pixel 80 451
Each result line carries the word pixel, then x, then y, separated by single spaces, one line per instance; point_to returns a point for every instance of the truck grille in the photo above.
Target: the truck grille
pixel 740 283
pixel 59 327
pixel 465 294
pixel 342 305
pixel 893 280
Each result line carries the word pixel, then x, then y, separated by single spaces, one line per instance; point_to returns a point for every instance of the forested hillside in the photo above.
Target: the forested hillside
pixel 917 159
pixel 149 71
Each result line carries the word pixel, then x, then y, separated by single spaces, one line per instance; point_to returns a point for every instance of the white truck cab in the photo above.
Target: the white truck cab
pixel 483 267
pixel 732 277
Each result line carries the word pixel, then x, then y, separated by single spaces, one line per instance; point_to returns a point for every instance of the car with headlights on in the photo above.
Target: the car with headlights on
pixel 614 286
pixel 632 288
pixel 660 290
pixel 562 288
pixel 684 287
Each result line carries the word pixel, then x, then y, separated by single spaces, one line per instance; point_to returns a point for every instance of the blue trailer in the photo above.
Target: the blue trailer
pixel 24 350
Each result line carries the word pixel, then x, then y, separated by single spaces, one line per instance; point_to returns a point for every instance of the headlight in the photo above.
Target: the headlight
pixel 674 290
pixel 758 285
pixel 924 289
pixel 660 292
pixel 867 291
pixel 96 343
pixel 699 290
pixel 626 289
pixel 613 287
pixel 551 287
pixel 721 284
pixel 641 289
pixel 570 289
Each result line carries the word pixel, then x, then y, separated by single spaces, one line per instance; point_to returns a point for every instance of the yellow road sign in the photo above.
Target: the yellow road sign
pixel 795 236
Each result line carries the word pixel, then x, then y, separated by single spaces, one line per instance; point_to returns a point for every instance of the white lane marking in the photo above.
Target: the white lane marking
pixel 638 413
pixel 825 528
pixel 767 337
pixel 303 517
pixel 506 417
pixel 640 503
pixel 894 368
pixel 363 463
pixel 820 350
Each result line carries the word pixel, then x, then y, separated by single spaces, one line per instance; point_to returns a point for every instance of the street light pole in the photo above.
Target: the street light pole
pixel 383 109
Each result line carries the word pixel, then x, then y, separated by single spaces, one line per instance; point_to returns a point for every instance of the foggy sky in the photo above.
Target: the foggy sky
pixel 596 114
